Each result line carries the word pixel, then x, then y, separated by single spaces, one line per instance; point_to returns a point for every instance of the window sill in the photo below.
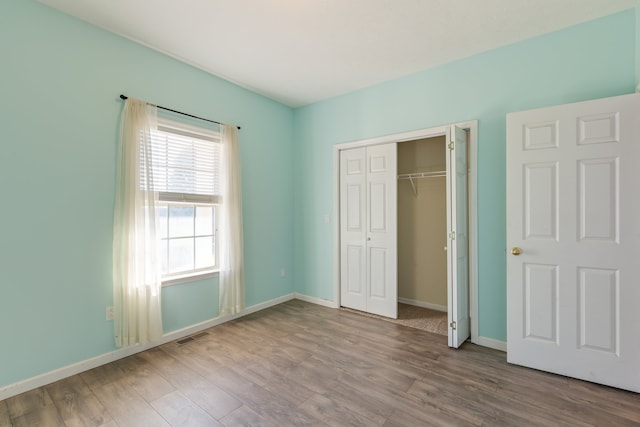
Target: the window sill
pixel 190 278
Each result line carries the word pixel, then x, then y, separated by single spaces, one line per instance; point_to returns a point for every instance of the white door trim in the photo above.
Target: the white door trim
pixel 472 127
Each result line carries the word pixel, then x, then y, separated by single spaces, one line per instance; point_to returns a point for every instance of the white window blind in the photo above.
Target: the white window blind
pixel 186 163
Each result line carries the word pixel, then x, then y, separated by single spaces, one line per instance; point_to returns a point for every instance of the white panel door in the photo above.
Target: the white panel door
pixel 382 207
pixel 368 229
pixel 573 230
pixel 353 229
pixel 458 238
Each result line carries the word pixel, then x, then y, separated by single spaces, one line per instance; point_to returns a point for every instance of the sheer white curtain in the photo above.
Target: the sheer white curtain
pixel 230 232
pixel 136 268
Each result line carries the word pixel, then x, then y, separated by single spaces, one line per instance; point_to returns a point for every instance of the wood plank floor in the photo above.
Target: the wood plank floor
pixel 302 364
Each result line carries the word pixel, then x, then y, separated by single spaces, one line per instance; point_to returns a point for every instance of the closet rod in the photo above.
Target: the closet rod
pixel 422 175
pixel 417 175
pixel 125 97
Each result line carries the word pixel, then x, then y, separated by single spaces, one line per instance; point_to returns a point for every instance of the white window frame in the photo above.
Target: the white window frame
pixel 167 126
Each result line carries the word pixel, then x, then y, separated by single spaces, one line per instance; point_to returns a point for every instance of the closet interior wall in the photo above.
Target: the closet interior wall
pixel 422 223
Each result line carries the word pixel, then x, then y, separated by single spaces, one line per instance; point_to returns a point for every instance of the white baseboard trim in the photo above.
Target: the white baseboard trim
pixel 14 389
pixel 315 300
pixel 492 343
pixel 423 304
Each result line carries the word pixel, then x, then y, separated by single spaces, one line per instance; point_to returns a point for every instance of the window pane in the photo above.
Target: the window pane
pixel 204 220
pixel 181 221
pixel 164 253
pixel 162 220
pixel 180 255
pixel 204 252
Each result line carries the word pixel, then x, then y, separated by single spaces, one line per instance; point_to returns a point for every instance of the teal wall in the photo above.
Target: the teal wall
pixel 59 109
pixel 592 60
pixel 59 112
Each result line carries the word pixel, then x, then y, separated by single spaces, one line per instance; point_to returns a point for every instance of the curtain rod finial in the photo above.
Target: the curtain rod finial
pixel 123 97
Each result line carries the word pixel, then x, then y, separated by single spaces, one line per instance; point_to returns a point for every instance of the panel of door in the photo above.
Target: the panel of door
pixel 382 230
pixel 458 246
pixel 353 228
pixel 573 230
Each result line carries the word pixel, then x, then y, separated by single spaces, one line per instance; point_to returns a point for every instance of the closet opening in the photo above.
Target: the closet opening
pixel 406 227
pixel 422 232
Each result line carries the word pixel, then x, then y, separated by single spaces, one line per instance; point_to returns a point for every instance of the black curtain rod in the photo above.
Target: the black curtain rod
pixel 124 97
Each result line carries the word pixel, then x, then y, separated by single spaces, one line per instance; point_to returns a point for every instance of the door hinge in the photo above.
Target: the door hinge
pixel 452 325
pixel 452 235
pixel 451 145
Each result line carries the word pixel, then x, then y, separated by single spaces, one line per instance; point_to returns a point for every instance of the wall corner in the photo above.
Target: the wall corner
pixel 637 46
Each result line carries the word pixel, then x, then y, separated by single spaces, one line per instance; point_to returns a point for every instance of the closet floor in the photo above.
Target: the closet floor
pixel 415 317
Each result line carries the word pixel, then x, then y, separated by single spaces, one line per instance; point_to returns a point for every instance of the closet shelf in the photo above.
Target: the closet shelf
pixel 419 175
pixel 422 175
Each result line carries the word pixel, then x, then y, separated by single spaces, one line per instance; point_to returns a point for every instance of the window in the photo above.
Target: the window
pixel 187 235
pixel 186 173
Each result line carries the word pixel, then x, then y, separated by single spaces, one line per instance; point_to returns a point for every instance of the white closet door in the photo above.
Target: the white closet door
pixel 458 246
pixel 353 229
pixel 382 230
pixel 368 229
pixel 573 228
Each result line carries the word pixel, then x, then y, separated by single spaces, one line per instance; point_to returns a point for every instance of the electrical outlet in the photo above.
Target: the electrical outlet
pixel 110 313
pixel 282 272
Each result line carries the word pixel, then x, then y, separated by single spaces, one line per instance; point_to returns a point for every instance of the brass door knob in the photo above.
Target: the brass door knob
pixel 516 251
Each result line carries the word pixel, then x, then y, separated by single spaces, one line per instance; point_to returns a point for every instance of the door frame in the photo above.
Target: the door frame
pixel 472 127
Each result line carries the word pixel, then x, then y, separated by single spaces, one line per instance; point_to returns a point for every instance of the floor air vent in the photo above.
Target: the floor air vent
pixel 191 338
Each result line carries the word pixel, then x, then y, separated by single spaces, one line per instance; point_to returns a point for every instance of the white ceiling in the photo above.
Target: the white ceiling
pixel 302 51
